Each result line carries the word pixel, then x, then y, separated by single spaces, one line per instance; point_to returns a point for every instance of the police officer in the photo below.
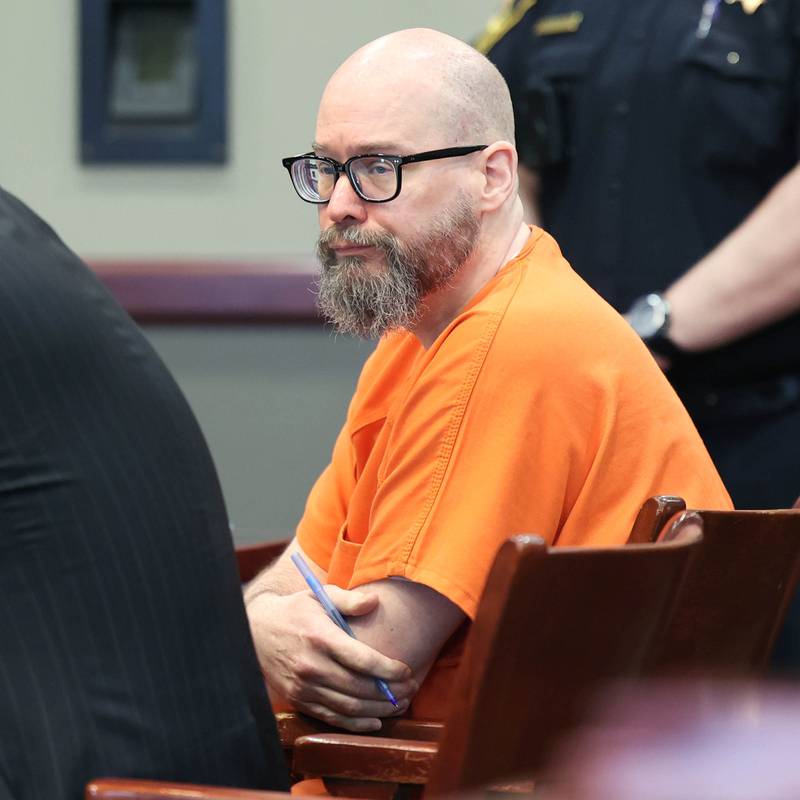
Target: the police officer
pixel 660 138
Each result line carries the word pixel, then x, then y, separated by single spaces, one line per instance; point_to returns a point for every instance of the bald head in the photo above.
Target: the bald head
pixel 454 217
pixel 453 92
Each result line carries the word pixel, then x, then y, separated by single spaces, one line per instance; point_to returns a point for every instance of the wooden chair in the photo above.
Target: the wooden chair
pixel 654 515
pixel 551 627
pixel 735 595
pixel 651 519
pixel 728 616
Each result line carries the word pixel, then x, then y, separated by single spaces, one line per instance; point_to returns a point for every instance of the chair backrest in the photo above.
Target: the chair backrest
pixel 551 626
pixel 735 595
pixel 654 515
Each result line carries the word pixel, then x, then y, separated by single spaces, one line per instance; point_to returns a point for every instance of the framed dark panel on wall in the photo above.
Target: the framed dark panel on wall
pixel 153 81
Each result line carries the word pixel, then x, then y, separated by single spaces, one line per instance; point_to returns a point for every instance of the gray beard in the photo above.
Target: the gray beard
pixel 363 304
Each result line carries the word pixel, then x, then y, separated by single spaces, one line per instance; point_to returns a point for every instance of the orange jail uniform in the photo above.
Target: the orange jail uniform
pixel 537 410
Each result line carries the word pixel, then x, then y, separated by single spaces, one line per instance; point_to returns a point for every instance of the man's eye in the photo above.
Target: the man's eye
pixel 327 170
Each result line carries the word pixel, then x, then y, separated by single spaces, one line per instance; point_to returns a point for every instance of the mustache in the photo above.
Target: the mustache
pixel 352 235
pixel 385 242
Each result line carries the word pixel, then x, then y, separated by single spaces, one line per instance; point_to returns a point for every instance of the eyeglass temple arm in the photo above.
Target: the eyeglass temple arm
pixel 449 152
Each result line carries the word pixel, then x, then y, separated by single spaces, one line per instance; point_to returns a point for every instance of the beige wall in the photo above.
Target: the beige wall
pixel 269 399
pixel 281 54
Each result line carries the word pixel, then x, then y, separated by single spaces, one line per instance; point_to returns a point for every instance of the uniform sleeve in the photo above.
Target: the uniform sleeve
pixel 326 507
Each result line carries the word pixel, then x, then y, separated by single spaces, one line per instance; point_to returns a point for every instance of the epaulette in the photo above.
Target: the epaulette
pixel 501 23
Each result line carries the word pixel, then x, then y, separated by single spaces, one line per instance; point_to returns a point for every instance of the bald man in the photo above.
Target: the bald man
pixel 504 395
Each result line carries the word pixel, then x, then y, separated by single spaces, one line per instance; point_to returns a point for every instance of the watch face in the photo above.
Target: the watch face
pixel 648 315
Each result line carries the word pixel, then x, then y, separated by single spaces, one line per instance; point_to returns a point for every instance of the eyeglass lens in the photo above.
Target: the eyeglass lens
pixel 374 178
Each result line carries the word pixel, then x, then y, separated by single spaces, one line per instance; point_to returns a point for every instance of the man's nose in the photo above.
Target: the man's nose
pixel 345 205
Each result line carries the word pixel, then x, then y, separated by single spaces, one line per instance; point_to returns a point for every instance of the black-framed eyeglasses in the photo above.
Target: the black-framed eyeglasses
pixel 375 177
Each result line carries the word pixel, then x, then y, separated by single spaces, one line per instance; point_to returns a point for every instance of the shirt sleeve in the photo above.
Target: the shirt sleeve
pixel 326 506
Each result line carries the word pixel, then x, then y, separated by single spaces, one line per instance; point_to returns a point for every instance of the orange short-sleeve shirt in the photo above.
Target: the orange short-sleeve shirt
pixel 537 410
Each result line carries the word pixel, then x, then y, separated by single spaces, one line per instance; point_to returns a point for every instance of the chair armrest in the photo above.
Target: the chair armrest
pixel 415 729
pixel 252 558
pixel 292 725
pixel 130 789
pixel 370 758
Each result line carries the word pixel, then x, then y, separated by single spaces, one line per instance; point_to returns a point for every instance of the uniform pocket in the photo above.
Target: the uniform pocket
pixel 736 98
pixel 343 559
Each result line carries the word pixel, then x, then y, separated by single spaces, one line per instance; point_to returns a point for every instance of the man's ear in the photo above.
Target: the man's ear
pixel 500 175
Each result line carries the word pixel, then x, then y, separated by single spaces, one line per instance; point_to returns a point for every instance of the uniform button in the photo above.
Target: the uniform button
pixel 734 57
pixel 615 186
pixel 638 34
pixel 623 108
pixel 712 398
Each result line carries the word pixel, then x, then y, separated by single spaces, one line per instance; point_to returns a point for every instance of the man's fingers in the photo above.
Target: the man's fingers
pixel 351 602
pixel 360 657
pixel 344 664
pixel 348 706
pixel 362 686
pixel 354 724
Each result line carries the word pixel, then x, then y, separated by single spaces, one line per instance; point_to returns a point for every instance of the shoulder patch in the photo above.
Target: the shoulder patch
pixel 501 23
pixel 561 23
pixel 749 6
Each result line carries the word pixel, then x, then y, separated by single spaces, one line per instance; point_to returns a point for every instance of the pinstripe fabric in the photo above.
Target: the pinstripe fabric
pixel 124 647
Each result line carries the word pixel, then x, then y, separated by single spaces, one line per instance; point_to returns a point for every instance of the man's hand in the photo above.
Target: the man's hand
pixel 308 660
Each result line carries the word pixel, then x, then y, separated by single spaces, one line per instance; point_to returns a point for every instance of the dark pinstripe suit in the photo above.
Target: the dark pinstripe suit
pixel 124 647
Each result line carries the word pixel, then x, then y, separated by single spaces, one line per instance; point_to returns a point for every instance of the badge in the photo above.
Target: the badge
pixel 749 6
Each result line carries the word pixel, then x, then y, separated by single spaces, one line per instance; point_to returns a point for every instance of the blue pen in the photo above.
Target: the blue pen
pixel 333 612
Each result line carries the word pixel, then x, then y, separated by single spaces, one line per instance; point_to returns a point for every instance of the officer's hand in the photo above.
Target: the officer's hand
pixel 309 661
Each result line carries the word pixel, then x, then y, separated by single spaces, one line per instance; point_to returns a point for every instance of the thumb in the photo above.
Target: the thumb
pixel 352 602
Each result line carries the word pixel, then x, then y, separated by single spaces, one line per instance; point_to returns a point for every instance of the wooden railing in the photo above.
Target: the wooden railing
pixel 185 292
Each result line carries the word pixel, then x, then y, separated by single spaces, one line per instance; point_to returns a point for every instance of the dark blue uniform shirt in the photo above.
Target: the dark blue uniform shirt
pixel 652 144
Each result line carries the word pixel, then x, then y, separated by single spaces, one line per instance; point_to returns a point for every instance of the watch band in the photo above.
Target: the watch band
pixel 649 316
pixel 661 345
